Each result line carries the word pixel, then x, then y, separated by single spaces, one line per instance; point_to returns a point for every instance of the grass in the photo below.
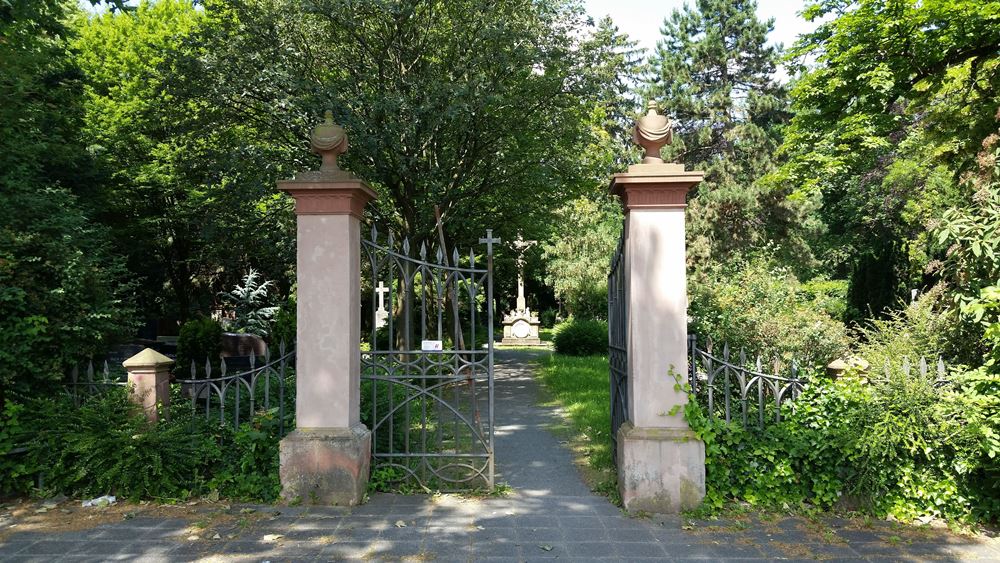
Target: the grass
pixel 546 334
pixel 579 386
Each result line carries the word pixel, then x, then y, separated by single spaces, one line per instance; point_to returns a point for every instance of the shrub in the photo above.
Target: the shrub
pixel 249 301
pixel 199 339
pixel 284 325
pixel 900 446
pixel 250 468
pixel 582 337
pixel 928 327
pixel 764 309
pixel 106 445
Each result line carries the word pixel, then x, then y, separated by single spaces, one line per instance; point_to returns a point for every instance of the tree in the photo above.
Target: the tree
pixel 63 293
pixel 886 121
pixel 579 253
pixel 191 206
pixel 713 73
pixel 478 107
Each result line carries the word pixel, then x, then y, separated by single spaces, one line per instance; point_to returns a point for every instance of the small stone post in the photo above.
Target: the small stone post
pixel 661 463
pixel 327 458
pixel 149 381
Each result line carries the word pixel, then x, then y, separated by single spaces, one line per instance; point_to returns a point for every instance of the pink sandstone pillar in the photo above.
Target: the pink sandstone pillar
pixel 149 382
pixel 661 463
pixel 327 458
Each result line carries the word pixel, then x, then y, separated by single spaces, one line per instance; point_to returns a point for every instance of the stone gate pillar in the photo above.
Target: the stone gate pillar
pixel 661 463
pixel 327 458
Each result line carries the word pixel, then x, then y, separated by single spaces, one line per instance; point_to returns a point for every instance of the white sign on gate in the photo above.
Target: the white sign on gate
pixel 431 346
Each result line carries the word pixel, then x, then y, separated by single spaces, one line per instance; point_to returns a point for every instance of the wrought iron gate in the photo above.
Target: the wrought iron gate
pixel 427 365
pixel 617 344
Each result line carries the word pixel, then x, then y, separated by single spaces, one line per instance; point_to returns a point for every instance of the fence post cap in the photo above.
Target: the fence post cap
pixel 148 358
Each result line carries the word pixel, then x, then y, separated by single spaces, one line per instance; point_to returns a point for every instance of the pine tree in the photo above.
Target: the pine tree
pixel 713 73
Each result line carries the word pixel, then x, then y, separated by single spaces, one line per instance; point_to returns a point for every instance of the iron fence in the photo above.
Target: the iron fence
pixel 427 370
pixel 237 395
pixel 735 387
pixel 759 396
pixel 216 390
pixel 617 342
pixel 94 381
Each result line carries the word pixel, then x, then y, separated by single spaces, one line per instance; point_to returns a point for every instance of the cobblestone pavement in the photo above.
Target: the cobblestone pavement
pixel 550 515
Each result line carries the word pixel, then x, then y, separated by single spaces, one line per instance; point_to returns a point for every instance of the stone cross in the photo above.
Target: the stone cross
pixel 489 241
pixel 381 315
pixel 521 245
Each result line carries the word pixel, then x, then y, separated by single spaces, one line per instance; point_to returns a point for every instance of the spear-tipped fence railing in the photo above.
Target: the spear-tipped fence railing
pixel 718 380
pixel 734 387
pixel 234 396
pixel 429 408
pixel 216 390
pixel 91 381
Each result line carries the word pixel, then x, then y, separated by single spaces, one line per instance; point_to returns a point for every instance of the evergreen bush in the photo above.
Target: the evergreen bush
pixel 582 337
pixel 199 339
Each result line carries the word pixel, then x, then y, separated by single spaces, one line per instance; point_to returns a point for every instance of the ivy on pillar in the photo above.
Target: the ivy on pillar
pixel 661 462
pixel 327 458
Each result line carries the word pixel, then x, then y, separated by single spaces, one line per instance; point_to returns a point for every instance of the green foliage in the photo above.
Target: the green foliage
pixel 16 472
pixel 927 328
pixel 183 205
pixel 250 470
pixel 899 446
pixel 878 142
pixel 581 337
pixel 200 339
pixel 579 253
pixel 106 445
pixel 249 303
pixel 713 73
pixel 764 309
pixel 427 115
pixel 63 291
pixel 284 329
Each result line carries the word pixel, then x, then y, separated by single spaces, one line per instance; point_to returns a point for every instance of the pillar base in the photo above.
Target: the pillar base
pixel 660 470
pixel 326 465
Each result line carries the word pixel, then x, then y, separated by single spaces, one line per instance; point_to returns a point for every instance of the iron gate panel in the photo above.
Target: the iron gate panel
pixel 430 411
pixel 617 344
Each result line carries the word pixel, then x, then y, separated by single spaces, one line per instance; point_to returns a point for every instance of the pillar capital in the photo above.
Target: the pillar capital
pixel 329 190
pixel 316 194
pixel 654 186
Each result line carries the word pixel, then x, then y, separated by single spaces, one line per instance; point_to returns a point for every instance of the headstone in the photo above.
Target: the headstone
pixel 381 315
pixel 235 344
pixel 520 326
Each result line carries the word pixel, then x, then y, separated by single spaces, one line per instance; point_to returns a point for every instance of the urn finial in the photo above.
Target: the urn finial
pixel 651 132
pixel 329 140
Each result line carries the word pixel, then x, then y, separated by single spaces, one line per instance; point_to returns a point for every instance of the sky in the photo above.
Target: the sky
pixel 641 19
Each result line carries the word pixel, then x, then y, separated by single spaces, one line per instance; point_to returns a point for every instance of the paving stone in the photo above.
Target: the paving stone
pixel 587 535
pixel 537 535
pixel 581 522
pixel 635 549
pixel 497 549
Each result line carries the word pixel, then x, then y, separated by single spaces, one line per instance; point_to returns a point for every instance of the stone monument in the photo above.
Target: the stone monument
pixel 661 462
pixel 520 326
